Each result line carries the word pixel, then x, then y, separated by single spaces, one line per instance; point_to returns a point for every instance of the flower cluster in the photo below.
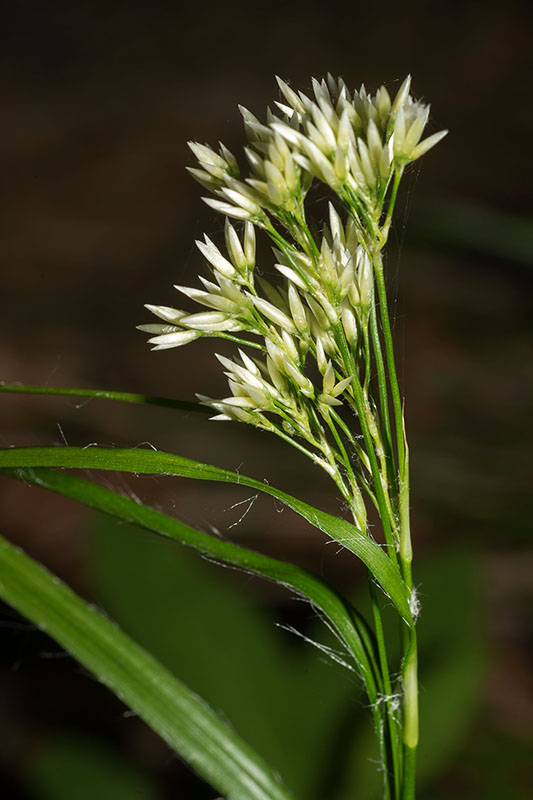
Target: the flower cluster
pixel 310 330
pixel 352 142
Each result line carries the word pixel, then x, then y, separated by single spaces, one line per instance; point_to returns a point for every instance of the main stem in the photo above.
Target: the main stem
pixel 409 641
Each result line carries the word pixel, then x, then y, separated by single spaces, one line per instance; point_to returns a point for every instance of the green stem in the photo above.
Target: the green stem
pixel 369 444
pixel 345 461
pixel 389 755
pixel 361 455
pixel 243 342
pixel 409 773
pixel 389 350
pixel 410 658
pixel 392 202
pixel 383 395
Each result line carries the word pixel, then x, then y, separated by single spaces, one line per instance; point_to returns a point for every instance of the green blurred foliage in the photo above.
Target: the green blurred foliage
pixel 215 633
pixel 297 709
pixel 305 714
pixel 83 769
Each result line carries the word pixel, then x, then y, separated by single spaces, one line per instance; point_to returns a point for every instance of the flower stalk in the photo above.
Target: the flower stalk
pixel 322 373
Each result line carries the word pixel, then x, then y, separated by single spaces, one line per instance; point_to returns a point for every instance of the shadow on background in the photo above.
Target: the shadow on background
pixel 99 100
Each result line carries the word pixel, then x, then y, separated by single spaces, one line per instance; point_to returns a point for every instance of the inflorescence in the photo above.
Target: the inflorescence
pixel 310 333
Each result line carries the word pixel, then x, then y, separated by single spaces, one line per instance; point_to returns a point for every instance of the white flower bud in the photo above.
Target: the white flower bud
pixel 234 246
pixel 416 128
pixel 402 95
pixel 335 225
pixel 290 96
pixel 297 310
pixel 383 105
pixel 274 176
pixel 210 160
pixel 291 176
pixel 325 130
pixel 249 244
pixel 321 359
pixel 174 339
pixel 206 299
pixel 349 325
pixel 341 386
pixel 250 365
pixel 255 161
pixel 239 402
pixel 166 313
pixel 399 133
pixel 321 164
pixel 329 378
pixel 290 135
pixel 215 257
pixel 211 321
pixel 204 178
pixel 290 346
pixel 366 280
pixel 300 379
pixel 427 144
pixel 276 354
pixel 240 199
pixel 276 376
pixel 156 328
pixel 291 275
pixel 341 164
pixel 230 159
pixel 366 164
pixel 345 134
pixel 318 312
pixel 347 278
pixel 227 209
pixel 274 314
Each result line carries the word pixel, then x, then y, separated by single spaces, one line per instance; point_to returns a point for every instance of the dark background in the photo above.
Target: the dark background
pixel 99 100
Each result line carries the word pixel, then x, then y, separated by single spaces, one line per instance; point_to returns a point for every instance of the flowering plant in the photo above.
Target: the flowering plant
pixel 316 368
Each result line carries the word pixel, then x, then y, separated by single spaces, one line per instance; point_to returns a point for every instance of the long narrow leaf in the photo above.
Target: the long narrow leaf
pixel 105 394
pixel 180 717
pixel 350 626
pixel 154 462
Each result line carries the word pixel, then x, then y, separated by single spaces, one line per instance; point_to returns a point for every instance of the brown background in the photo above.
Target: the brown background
pixel 100 217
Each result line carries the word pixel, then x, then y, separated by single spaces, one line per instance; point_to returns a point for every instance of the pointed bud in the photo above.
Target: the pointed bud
pixel 249 244
pixel 427 144
pixel 403 94
pixel 297 310
pixel 234 246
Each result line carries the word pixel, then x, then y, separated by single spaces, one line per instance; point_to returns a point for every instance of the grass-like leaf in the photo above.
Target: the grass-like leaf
pixel 154 462
pixel 350 626
pixel 106 394
pixel 178 715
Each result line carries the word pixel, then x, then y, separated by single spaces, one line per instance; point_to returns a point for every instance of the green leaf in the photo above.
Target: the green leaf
pixel 154 462
pixel 224 643
pixel 180 717
pixel 350 626
pixel 105 394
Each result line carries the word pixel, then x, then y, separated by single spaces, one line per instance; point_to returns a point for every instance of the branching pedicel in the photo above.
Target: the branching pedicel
pixel 330 317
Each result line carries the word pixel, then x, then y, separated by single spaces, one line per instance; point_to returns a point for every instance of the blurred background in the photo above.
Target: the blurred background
pixel 100 216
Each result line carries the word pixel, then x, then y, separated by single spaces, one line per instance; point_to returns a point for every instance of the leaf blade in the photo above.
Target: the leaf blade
pixel 105 394
pixel 350 626
pixel 179 716
pixel 156 462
